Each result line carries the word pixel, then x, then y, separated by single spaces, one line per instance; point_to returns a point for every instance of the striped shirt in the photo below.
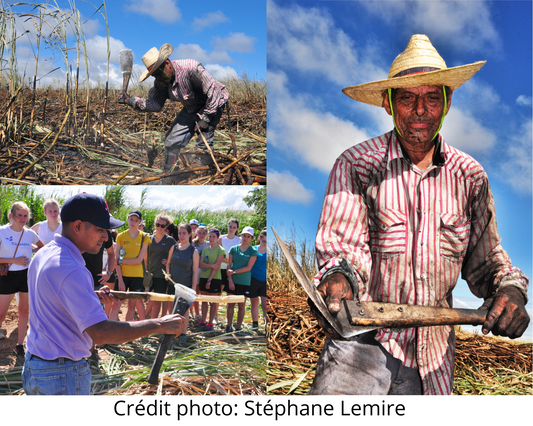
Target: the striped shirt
pixel 193 86
pixel 408 234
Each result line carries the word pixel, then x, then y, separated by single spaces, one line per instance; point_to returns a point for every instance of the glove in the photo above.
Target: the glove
pixel 203 125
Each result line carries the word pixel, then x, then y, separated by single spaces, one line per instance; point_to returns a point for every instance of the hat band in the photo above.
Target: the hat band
pixel 151 66
pixel 415 70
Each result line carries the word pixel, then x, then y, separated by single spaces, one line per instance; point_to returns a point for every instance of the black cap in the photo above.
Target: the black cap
pixel 136 213
pixel 89 208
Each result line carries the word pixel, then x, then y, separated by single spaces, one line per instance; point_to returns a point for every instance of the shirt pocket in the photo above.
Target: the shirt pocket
pixel 388 232
pixel 454 235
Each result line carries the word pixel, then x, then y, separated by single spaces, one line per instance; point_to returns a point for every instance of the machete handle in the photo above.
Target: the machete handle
pixel 392 315
pixel 153 378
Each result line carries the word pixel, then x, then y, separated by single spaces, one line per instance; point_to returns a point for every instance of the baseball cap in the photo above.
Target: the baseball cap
pixel 248 230
pixel 89 208
pixel 193 222
pixel 136 213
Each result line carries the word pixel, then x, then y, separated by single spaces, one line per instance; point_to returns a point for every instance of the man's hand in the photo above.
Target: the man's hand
pixel 105 295
pixel 334 289
pixel 507 313
pixel 172 324
pixel 203 125
pixel 124 98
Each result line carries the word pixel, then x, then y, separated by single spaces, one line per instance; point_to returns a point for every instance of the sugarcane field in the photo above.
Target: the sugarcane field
pixel 69 137
pixel 484 365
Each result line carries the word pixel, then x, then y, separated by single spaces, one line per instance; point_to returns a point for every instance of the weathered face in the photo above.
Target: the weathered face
pixel 417 112
pixel 164 72
pixel 92 238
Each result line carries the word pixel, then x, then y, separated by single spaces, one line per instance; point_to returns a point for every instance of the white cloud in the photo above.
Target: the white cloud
pixel 469 26
pixel 315 137
pixel 164 11
pixel 236 42
pixel 285 186
pixel 464 132
pixel 219 72
pixel 195 51
pixel 515 162
pixel 209 20
pixel 523 100
pixel 306 39
pixel 97 49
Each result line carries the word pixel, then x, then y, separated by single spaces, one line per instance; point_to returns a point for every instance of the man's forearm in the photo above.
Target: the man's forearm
pixel 116 332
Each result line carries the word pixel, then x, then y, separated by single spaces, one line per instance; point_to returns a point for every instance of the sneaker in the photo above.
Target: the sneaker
pixel 19 350
pixel 255 325
pixel 198 318
pixel 201 323
pixel 229 329
pixel 209 327
pixel 215 320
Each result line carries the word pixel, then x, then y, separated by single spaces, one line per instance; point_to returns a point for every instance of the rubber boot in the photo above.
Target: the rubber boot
pixel 171 159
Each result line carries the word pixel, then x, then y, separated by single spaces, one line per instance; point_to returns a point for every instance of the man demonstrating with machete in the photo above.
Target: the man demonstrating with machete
pixel 409 213
pixel 65 313
pixel 188 82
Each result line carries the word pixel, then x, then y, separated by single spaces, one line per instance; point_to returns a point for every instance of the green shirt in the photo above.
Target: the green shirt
pixel 210 256
pixel 240 260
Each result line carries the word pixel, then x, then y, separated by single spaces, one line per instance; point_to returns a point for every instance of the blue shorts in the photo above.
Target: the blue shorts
pixel 58 377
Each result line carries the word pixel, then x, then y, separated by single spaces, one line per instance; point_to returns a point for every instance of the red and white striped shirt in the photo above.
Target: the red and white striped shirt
pixel 193 86
pixel 408 234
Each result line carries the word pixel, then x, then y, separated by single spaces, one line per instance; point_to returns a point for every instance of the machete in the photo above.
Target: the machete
pixel 357 317
pixel 125 58
pixel 185 296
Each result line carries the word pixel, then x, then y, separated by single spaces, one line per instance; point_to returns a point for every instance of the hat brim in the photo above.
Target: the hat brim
pixel 371 93
pixel 164 53
pixel 112 223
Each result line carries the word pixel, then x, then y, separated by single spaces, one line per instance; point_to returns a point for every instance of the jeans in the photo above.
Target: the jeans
pixel 58 377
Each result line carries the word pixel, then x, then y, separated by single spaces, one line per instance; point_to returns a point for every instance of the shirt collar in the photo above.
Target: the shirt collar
pixel 64 241
pixel 396 151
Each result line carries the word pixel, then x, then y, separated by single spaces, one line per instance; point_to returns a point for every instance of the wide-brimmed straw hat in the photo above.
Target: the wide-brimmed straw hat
pixel 154 58
pixel 418 65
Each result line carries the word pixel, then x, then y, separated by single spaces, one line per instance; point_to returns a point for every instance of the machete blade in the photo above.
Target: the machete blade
pixel 341 322
pixel 125 58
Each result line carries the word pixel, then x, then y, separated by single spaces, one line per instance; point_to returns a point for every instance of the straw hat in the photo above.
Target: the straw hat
pixel 154 58
pixel 418 65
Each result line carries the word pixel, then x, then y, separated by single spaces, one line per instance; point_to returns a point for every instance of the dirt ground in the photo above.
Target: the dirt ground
pixel 10 329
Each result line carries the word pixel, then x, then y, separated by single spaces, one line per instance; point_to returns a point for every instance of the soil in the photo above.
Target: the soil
pixel 9 327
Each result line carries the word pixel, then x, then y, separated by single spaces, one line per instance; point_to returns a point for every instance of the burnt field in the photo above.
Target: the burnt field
pixel 52 137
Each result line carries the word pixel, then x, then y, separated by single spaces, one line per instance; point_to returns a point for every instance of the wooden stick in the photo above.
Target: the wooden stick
pixel 158 297
pixel 208 147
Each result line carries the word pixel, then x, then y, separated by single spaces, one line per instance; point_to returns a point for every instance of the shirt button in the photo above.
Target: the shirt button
pixel 422 243
pixel 422 277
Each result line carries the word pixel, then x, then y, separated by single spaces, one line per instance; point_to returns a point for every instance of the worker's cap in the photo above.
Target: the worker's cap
pixel 136 213
pixel 248 230
pixel 89 208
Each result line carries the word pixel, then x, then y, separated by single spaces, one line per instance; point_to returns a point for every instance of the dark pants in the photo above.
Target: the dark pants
pixel 181 132
pixel 362 367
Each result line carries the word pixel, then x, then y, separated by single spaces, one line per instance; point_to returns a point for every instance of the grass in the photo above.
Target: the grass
pixel 211 363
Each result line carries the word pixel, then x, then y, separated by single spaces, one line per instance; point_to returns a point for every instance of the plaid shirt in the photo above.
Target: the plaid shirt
pixel 193 86
pixel 408 234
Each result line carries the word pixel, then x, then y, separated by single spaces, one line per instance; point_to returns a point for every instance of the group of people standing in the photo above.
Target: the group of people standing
pixel 192 254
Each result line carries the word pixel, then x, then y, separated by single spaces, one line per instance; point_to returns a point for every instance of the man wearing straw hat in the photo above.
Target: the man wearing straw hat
pixel 66 316
pixel 409 213
pixel 186 81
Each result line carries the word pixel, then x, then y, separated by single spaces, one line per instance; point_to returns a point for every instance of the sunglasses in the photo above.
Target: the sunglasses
pixel 158 225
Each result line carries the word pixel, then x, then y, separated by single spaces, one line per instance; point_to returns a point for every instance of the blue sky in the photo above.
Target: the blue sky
pixel 316 48
pixel 229 37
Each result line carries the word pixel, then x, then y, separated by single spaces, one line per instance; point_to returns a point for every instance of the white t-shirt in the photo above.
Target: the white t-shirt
pixel 228 244
pixel 45 234
pixel 8 244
